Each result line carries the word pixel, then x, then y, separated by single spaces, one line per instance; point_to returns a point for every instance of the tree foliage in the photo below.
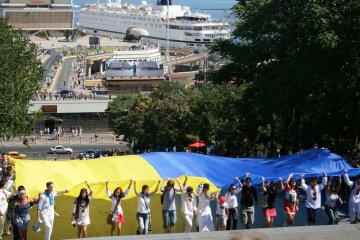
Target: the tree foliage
pixel 20 72
pixel 300 63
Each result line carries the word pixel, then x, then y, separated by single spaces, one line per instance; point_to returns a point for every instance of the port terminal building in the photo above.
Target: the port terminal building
pixel 43 18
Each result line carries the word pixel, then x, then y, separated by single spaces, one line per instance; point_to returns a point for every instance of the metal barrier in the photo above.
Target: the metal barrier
pixel 61 140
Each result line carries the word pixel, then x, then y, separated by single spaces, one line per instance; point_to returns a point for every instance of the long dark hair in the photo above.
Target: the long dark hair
pixel 80 198
pixel 121 195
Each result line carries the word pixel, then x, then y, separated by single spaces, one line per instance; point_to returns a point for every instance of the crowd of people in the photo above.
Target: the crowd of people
pixel 195 204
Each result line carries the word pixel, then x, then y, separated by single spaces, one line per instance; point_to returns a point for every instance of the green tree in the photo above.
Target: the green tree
pixel 300 64
pixel 20 72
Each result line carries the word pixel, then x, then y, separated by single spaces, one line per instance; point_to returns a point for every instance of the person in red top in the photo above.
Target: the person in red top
pixel 291 200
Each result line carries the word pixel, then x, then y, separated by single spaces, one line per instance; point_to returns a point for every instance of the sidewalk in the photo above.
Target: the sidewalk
pixel 324 232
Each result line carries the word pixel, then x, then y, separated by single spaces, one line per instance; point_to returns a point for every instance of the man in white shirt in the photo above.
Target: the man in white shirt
pixel 313 196
pixel 232 203
pixel 46 208
pixel 354 201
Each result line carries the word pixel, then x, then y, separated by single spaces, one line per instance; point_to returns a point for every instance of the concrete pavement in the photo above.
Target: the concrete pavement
pixel 324 232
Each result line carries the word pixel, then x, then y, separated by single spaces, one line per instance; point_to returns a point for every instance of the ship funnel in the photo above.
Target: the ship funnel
pixel 164 2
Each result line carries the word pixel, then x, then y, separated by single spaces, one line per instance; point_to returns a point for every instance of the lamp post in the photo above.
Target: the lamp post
pixel 168 40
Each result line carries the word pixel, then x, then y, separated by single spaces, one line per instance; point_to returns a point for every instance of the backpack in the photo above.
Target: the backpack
pixel 163 195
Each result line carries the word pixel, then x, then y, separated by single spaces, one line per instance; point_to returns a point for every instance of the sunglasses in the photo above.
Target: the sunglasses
pixel 233 188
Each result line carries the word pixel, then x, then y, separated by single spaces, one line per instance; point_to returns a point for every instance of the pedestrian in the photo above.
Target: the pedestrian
pixel 143 210
pixel 268 201
pixel 291 200
pixel 222 212
pixel 116 209
pixel 249 196
pixel 354 202
pixel 45 209
pixel 188 207
pixel 313 196
pixel 11 216
pixel 168 202
pixel 205 218
pixel 4 196
pixel 232 202
pixel 81 211
pixel 332 200
pixel 22 206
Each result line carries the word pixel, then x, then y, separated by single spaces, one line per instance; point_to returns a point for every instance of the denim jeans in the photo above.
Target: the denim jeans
pixel 169 218
pixel 143 220
pixel 233 214
pixel 332 214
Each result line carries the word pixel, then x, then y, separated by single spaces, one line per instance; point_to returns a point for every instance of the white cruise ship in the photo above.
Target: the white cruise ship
pixel 186 29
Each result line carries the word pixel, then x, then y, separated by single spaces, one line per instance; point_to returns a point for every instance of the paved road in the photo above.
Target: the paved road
pixel 41 152
pixel 65 72
pixel 47 66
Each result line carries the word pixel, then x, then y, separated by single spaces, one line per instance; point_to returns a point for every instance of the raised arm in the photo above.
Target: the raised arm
pixel 217 196
pixel 130 184
pixel 108 193
pixel 180 186
pixel 347 179
pixel 282 188
pixel 288 179
pixel 89 187
pixel 163 184
pixel 302 183
pixel 156 189
pixel 323 182
pixel 200 188
pixel 184 184
pixel 339 185
pixel 328 186
pixel 135 191
pixel 263 184
pixel 240 184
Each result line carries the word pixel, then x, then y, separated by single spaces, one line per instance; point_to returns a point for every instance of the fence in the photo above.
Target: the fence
pixel 45 140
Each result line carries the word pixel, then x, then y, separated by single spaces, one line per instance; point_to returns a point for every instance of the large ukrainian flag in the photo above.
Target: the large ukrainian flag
pixel 148 169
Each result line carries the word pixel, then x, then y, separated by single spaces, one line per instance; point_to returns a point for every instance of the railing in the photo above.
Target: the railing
pixel 61 140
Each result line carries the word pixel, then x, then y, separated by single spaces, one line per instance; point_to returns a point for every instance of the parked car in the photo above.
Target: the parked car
pixel 61 150
pixel 17 155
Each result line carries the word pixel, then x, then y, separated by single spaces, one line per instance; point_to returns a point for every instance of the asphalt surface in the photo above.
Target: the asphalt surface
pixel 65 72
pixel 47 66
pixel 42 152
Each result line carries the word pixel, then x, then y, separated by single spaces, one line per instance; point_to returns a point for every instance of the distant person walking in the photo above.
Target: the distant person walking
pixel 143 210
pixel 46 210
pixel 116 209
pixel 313 196
pixel 354 202
pixel 81 211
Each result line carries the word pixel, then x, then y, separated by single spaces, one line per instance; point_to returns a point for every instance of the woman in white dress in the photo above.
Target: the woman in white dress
pixel 80 211
pixel 205 218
